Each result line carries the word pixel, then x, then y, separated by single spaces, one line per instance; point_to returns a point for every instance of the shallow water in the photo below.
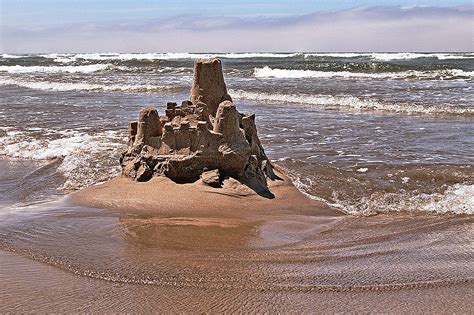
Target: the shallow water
pixel 365 132
pixel 37 286
pixel 286 252
pixel 384 134
pixel 225 264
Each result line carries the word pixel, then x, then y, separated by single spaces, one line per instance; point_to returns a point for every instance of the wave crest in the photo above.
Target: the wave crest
pixel 394 56
pixel 350 102
pixel 66 58
pixel 55 69
pixel 65 86
pixel 457 199
pixel 267 72
pixel 83 161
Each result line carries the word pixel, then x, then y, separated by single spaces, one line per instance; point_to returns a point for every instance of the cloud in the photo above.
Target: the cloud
pixel 380 28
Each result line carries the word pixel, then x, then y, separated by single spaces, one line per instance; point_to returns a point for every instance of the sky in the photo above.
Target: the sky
pixel 235 26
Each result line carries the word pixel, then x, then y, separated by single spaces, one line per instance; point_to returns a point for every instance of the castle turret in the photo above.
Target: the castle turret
pixel 149 126
pixel 209 84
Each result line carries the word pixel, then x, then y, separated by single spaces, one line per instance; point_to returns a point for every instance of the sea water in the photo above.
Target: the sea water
pixel 364 132
pixel 386 138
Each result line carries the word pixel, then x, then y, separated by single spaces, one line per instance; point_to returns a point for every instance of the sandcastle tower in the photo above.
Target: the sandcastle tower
pixel 204 134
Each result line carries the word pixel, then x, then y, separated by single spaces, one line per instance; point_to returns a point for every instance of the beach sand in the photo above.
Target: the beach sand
pixel 32 287
pixel 162 246
pixel 234 200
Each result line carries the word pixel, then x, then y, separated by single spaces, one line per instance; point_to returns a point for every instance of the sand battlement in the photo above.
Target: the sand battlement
pixel 202 134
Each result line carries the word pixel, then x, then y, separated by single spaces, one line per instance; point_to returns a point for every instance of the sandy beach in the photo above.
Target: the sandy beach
pixel 234 200
pixel 228 249
pixel 349 190
pixel 34 287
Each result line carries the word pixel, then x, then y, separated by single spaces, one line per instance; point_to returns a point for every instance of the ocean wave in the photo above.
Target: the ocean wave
pixel 55 69
pixel 336 55
pixel 70 57
pixel 91 87
pixel 65 58
pixel 85 157
pixel 394 56
pixel 8 56
pixel 267 72
pixel 457 199
pixel 408 56
pixel 351 102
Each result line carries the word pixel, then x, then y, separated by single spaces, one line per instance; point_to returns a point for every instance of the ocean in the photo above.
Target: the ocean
pixel 384 139
pixel 366 133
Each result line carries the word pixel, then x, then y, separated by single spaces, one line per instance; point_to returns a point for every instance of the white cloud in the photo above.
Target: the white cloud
pixel 359 29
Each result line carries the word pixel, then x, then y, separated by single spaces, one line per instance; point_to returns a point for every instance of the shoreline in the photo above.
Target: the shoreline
pixel 389 147
pixel 31 286
pixel 226 251
pixel 162 196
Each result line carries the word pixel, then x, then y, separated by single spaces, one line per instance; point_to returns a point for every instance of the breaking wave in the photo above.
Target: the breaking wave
pixel 267 72
pixel 394 56
pixel 351 102
pixel 9 56
pixel 457 199
pixel 70 57
pixel 66 86
pixel 65 58
pixel 85 157
pixel 55 69
pixel 409 188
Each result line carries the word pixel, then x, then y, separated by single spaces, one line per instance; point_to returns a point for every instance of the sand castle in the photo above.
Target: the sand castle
pixel 204 137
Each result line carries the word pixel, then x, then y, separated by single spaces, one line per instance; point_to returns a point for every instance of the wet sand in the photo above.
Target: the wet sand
pixel 124 246
pixel 392 147
pixel 30 287
pixel 234 200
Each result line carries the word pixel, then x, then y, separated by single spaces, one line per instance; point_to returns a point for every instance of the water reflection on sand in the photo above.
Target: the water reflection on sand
pixel 269 252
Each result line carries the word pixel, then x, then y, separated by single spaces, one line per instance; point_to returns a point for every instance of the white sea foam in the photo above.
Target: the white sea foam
pixel 21 145
pixel 336 55
pixel 83 160
pixel 394 56
pixel 348 101
pixel 407 56
pixel 65 58
pixel 457 199
pixel 66 86
pixel 400 56
pixel 257 55
pixel 267 72
pixel 449 56
pixel 55 69
pixel 8 56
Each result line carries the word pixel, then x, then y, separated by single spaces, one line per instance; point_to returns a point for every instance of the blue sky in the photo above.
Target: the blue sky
pixel 276 25
pixel 54 12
